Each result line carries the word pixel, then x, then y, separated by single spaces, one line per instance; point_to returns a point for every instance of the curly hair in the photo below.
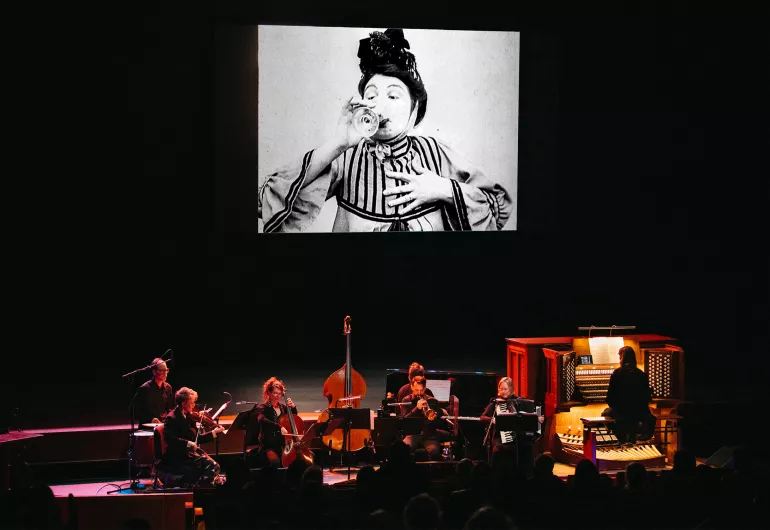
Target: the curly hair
pixel 270 385
pixel 183 394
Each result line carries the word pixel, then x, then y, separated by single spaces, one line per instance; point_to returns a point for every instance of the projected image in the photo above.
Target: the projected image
pixel 383 130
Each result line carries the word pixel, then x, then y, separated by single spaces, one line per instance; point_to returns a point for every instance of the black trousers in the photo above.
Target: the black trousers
pixel 199 469
pixel 626 426
pixel 428 442
pixel 264 456
pixel 514 459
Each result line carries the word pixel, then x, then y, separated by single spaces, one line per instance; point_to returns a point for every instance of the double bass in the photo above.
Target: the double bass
pixel 294 447
pixel 345 388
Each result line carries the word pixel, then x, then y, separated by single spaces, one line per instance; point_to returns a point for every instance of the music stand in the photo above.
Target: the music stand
pixel 241 423
pixel 521 423
pixel 410 425
pixel 347 418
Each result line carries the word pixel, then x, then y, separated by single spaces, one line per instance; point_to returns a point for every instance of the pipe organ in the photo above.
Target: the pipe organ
pixel 564 375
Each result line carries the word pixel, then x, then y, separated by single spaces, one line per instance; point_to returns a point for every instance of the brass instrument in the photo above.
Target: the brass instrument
pixel 429 412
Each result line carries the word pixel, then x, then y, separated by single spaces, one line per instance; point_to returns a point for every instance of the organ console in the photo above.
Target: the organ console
pixel 560 372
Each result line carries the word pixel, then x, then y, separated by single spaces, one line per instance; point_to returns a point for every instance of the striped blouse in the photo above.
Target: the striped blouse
pixel 357 180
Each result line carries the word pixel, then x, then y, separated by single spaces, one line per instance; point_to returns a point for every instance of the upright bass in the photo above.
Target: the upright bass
pixel 345 388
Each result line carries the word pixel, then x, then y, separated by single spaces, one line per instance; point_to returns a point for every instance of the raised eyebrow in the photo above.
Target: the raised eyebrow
pixel 396 86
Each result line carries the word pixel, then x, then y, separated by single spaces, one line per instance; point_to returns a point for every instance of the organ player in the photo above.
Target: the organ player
pixel 628 397
pixel 517 455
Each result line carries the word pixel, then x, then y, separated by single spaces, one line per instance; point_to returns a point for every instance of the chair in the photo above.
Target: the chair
pixel 170 478
pixel 448 445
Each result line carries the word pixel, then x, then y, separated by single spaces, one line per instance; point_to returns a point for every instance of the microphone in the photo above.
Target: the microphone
pixel 246 403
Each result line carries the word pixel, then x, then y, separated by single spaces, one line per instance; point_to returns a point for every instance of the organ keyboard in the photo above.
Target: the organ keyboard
pixel 597 443
pixel 592 382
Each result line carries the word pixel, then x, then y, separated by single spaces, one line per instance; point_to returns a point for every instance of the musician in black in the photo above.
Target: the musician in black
pixel 434 429
pixel 183 436
pixel 415 369
pixel 155 398
pixel 267 414
pixel 628 397
pixel 516 455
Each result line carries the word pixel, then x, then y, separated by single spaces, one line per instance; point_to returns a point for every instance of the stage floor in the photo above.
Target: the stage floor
pixel 335 476
pixel 99 489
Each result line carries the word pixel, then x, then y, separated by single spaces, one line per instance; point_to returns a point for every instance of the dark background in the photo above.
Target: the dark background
pixel 642 198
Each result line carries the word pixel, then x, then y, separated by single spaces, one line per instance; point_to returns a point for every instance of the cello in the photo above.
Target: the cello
pixel 345 388
pixel 294 448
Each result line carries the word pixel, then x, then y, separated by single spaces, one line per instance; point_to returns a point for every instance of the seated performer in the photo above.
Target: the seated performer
pixel 183 437
pixel 434 428
pixel 415 369
pixel 517 454
pixel 155 398
pixel 628 397
pixel 271 439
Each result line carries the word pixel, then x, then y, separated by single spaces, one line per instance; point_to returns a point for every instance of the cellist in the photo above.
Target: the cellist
pixel 271 439
pixel 181 432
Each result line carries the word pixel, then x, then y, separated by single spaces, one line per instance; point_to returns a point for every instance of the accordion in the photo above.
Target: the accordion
pixel 518 407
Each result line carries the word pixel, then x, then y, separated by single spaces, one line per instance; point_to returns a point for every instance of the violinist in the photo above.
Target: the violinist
pixel 427 407
pixel 155 398
pixel 271 439
pixel 183 438
pixel 516 455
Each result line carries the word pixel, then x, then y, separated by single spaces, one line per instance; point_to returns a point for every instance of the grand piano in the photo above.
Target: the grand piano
pixel 472 389
pixel 562 373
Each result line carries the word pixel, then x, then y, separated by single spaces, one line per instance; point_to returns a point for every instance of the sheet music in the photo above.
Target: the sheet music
pixel 605 349
pixel 440 388
pixel 217 413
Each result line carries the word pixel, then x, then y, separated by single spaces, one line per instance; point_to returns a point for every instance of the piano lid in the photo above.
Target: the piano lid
pixel 473 389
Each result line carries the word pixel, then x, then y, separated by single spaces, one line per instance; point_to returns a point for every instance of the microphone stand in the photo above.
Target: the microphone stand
pixel 133 483
pixel 516 434
pixel 486 436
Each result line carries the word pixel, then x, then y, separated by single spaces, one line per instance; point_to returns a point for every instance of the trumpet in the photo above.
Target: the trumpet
pixel 429 412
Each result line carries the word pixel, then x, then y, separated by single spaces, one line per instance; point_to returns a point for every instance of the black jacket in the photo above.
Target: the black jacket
pixel 153 402
pixel 270 436
pixel 178 431
pixel 629 392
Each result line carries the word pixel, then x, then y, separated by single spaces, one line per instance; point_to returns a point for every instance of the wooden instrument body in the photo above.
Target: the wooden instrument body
pixel 294 447
pixel 345 383
pixel 334 389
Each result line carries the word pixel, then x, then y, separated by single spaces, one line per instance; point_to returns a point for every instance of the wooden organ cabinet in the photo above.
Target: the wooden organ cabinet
pixel 559 372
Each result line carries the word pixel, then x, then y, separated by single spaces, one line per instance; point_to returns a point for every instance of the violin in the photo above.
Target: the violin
pixel 202 417
pixel 209 422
